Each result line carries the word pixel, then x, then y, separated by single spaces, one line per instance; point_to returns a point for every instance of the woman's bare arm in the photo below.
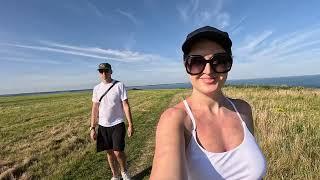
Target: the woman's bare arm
pixel 169 159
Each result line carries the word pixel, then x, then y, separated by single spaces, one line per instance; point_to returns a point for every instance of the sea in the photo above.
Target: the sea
pixel 308 81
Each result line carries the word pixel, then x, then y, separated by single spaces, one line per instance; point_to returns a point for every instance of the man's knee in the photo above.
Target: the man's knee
pixel 118 154
pixel 110 153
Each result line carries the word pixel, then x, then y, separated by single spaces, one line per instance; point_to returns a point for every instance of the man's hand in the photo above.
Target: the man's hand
pixel 93 134
pixel 130 130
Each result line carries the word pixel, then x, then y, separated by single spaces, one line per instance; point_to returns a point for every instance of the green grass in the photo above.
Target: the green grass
pixel 47 136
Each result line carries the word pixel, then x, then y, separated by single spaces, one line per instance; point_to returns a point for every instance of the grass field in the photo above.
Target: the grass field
pixel 47 136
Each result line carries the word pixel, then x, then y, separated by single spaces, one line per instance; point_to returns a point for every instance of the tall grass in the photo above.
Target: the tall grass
pixel 47 136
pixel 287 126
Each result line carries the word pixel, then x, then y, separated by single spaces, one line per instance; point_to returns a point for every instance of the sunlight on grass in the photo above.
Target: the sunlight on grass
pixel 46 136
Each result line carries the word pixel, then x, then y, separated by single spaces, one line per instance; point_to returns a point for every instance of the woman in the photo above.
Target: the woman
pixel 207 136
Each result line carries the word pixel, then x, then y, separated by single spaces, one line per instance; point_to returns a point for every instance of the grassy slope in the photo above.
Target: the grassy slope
pixel 46 136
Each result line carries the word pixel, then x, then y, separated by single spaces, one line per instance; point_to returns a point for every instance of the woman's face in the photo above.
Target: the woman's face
pixel 208 81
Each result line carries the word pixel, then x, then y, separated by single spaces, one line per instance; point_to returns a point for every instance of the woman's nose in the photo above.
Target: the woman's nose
pixel 208 69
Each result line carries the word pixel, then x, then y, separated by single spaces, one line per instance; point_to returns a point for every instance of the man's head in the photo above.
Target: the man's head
pixel 105 71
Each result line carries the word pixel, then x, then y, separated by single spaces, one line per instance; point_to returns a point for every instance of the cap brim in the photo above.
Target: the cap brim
pixel 103 69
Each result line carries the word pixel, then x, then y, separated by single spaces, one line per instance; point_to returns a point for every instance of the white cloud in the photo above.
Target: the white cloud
pixel 252 42
pixel 235 29
pixel 130 16
pixel 183 13
pixel 94 9
pixel 28 60
pixel 223 19
pixel 93 52
pixel 130 41
pixel 270 55
pixel 205 12
pixel 187 10
pixel 41 48
pixel 281 47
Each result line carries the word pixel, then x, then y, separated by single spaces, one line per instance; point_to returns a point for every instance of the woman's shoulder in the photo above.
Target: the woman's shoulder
pixel 174 115
pixel 241 105
pixel 245 110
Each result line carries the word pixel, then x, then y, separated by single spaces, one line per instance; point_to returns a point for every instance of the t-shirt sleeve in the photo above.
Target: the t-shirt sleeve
pixel 123 95
pixel 95 95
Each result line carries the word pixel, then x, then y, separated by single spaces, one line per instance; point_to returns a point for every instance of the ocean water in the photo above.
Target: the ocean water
pixel 310 81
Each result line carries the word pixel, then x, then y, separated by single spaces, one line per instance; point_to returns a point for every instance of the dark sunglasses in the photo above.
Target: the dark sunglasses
pixel 219 62
pixel 103 70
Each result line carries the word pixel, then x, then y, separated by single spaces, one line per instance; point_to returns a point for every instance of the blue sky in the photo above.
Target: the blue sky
pixel 57 45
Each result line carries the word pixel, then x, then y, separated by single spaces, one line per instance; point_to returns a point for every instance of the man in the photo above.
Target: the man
pixel 110 110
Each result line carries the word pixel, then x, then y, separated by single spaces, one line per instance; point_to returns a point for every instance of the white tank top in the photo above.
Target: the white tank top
pixel 245 161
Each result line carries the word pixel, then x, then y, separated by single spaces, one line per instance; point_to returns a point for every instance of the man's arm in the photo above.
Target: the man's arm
pixel 127 111
pixel 93 121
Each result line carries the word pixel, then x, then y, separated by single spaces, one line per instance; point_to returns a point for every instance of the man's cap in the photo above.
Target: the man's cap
pixel 106 66
pixel 210 33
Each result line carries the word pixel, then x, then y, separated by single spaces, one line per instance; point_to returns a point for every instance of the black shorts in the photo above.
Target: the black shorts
pixel 111 138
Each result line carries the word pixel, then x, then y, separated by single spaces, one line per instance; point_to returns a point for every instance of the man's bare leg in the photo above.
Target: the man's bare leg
pixel 113 163
pixel 122 160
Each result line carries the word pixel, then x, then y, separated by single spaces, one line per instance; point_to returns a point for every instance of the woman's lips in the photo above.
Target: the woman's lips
pixel 208 80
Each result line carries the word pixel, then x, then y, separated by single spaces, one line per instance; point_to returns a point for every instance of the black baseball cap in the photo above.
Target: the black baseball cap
pixel 104 66
pixel 210 33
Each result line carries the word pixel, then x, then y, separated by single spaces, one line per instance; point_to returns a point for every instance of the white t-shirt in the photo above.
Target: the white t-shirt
pixel 110 110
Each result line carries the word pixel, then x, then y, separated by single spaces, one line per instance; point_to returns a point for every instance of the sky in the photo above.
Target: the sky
pixel 57 45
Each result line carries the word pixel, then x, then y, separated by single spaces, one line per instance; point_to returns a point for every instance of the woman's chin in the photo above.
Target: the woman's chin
pixel 209 89
pixel 208 86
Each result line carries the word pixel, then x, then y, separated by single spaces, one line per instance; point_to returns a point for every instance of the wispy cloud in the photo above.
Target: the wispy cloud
pixel 204 12
pixel 92 52
pixel 28 60
pixel 130 41
pixel 252 42
pixel 238 26
pixel 81 7
pixel 128 15
pixel 223 19
pixel 118 55
pixel 272 48
pixel 187 10
pixel 42 48
pixel 94 9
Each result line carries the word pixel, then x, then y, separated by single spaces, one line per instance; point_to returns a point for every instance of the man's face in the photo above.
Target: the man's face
pixel 105 74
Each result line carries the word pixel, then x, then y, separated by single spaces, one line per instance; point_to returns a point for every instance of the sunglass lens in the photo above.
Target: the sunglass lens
pixel 103 70
pixel 195 64
pixel 223 63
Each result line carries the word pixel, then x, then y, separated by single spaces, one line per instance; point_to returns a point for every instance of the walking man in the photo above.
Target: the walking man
pixel 109 105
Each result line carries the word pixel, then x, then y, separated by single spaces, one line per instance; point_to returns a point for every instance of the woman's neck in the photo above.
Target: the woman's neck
pixel 210 102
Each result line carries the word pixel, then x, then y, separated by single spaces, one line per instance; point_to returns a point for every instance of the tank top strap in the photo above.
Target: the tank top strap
pixel 190 114
pixel 234 107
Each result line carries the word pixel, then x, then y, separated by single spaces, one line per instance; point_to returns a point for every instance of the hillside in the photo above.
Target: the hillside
pixel 47 136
